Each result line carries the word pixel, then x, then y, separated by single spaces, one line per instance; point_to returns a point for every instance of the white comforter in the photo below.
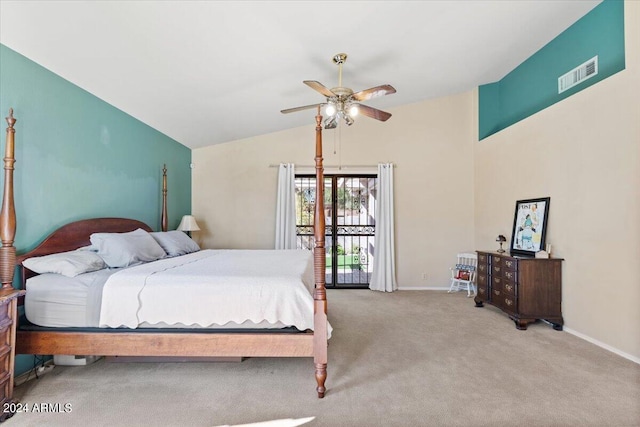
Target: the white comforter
pixel 213 287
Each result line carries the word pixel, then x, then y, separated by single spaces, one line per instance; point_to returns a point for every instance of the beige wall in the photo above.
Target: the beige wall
pixel 234 189
pixel 584 153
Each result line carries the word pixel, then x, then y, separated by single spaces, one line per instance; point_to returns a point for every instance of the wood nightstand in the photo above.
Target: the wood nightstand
pixel 8 322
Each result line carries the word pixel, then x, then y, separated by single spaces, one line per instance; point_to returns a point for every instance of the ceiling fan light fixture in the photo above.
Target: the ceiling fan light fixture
pixel 330 122
pixel 330 110
pixel 348 120
pixel 353 110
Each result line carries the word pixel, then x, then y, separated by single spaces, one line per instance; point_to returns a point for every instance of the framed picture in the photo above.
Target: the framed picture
pixel 529 226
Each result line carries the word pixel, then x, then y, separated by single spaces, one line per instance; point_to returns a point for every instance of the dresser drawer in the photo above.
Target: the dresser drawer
pixel 4 312
pixel 497 297
pixel 5 332
pixel 503 301
pixel 496 270
pixel 509 303
pixel 496 282
pixel 510 275
pixel 510 264
pixel 482 280
pixel 483 291
pixel 509 288
pixel 5 385
pixel 483 258
pixel 483 268
pixel 496 260
pixel 5 359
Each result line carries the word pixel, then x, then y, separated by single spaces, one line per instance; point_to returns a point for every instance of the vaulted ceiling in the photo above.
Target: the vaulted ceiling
pixel 209 72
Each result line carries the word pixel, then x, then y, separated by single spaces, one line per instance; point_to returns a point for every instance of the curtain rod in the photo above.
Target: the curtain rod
pixel 332 166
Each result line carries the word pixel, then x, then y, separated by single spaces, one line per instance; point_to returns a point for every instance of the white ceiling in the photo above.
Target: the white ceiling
pixel 208 72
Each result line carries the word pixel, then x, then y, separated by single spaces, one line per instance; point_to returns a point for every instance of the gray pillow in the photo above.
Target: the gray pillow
pixel 125 249
pixel 68 264
pixel 175 243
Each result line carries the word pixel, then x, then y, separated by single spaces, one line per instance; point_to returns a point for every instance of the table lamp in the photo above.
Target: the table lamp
pixel 501 239
pixel 188 224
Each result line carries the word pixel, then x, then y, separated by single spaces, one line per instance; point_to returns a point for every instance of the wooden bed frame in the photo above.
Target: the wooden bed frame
pixel 162 344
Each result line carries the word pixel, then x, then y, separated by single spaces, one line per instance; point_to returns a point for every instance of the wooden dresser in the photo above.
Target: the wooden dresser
pixel 526 289
pixel 8 320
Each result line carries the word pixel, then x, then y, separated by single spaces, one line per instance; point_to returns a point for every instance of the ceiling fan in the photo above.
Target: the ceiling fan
pixel 343 102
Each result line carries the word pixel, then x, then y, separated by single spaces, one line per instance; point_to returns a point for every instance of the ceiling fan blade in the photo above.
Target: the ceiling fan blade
pixel 373 92
pixel 317 86
pixel 306 107
pixel 374 113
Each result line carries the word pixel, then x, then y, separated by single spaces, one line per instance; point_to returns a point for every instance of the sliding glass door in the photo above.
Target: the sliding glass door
pixel 350 225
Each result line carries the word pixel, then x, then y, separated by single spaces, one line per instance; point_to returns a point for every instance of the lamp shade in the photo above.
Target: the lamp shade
pixel 188 223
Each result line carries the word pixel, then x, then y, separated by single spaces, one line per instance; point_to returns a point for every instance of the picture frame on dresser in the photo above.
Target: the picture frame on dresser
pixel 529 226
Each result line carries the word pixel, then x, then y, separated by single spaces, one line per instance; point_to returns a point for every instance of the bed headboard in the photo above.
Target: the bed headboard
pixel 76 235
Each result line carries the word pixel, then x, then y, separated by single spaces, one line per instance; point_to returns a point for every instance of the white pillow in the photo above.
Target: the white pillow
pixel 68 264
pixel 175 242
pixel 125 249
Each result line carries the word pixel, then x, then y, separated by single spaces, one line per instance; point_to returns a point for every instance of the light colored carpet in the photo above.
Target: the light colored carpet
pixel 410 358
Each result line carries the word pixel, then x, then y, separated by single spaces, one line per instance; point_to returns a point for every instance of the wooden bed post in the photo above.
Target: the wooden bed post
pixel 8 213
pixel 319 267
pixel 164 222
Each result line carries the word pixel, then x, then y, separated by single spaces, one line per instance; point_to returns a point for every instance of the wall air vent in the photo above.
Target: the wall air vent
pixel 578 74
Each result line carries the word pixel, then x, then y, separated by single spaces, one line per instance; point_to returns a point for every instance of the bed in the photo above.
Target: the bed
pixel 239 289
pixel 151 337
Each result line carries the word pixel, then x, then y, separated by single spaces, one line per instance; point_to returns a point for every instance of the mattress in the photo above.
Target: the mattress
pixel 151 290
pixel 54 300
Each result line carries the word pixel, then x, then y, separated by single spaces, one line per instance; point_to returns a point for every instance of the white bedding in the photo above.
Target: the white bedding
pixel 213 287
pixel 57 301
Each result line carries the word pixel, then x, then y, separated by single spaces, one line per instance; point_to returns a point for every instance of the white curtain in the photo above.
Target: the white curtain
pixel 383 277
pixel 286 208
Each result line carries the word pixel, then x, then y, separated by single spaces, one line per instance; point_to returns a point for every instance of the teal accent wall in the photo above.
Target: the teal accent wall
pixel 78 157
pixel 533 85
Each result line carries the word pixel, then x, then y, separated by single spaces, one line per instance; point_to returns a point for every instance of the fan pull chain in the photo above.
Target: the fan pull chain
pixel 340 146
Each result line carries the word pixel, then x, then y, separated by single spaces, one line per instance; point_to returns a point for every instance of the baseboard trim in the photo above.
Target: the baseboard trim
pixel 422 288
pixel 602 345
